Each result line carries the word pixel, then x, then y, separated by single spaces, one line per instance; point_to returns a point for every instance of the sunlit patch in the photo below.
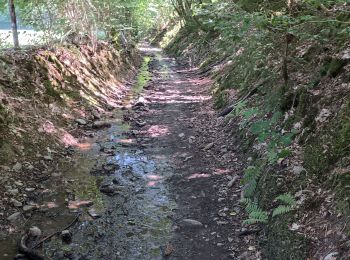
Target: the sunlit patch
pixel 79 203
pixel 154 177
pixel 148 49
pixel 222 171
pixel 69 140
pixel 198 176
pixel 50 205
pixel 48 127
pixel 126 141
pixel 152 183
pixel 158 130
pixel 84 146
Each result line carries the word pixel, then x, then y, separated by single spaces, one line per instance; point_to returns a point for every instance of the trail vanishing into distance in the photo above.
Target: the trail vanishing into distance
pixel 174 129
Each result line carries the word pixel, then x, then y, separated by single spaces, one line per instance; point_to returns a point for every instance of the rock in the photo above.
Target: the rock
pixel 298 169
pixel 192 223
pixel 96 115
pixel 140 102
pixel 94 214
pixel 14 217
pixel 101 124
pixel 13 192
pixel 110 189
pixel 66 236
pixel 17 167
pixel 29 189
pixel 141 123
pixel 331 256
pixel 16 203
pixel 181 135
pixel 80 121
pixel 35 232
pixel 27 208
pixel 232 181
pixel 18 183
pixel 208 146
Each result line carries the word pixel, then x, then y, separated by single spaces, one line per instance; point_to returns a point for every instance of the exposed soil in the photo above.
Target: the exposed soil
pixel 160 180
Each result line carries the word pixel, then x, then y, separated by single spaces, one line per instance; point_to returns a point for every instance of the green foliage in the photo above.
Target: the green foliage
pixel 288 203
pixel 255 214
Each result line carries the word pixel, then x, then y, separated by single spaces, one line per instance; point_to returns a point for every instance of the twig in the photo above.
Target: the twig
pixel 57 232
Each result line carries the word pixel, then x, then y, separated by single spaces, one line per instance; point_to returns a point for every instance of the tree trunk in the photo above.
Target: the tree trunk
pixel 14 23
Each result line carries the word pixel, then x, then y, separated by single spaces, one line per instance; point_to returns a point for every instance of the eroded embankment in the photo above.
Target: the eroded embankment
pixel 48 98
pixel 295 134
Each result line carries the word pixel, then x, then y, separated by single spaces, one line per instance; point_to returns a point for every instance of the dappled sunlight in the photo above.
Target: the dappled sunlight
pixel 84 146
pixel 198 176
pixel 222 171
pixel 144 48
pixel 173 99
pixel 48 128
pixel 158 130
pixel 69 140
pixel 50 205
pixel 126 141
pixel 154 177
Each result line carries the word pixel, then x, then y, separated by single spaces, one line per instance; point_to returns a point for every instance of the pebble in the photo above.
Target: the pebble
pixel 35 232
pixel 27 208
pixel 66 236
pixel 14 217
pixel 101 124
pixel 331 256
pixel 13 192
pixel 192 223
pixel 17 167
pixel 16 203
pixel 80 121
pixel 29 189
pixel 232 181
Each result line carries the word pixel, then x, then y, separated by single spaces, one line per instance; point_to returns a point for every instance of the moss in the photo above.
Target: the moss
pixel 221 99
pixel 283 243
pixel 51 91
pixel 332 67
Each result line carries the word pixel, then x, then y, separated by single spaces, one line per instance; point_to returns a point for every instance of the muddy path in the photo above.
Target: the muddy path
pixel 156 181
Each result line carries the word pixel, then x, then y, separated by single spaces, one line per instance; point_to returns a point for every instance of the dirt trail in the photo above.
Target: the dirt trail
pixel 157 178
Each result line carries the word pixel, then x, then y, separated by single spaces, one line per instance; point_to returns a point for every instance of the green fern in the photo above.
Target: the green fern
pixel 280 210
pixel 287 199
pixel 289 203
pixel 255 214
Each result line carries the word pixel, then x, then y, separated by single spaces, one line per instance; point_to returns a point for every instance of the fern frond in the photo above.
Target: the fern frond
pixel 287 199
pixel 280 210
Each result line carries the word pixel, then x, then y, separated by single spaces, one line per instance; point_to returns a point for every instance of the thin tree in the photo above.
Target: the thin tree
pixel 14 23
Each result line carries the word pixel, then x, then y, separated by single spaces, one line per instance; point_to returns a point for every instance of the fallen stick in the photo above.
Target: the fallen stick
pixel 229 109
pixel 57 232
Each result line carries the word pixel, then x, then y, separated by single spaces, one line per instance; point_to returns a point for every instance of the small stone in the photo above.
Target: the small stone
pixel 14 217
pixel 66 236
pixel 16 203
pixel 141 123
pixel 231 182
pixel 27 208
pixel 192 223
pixel 13 192
pixel 331 256
pixel 298 170
pixel 93 213
pixel 96 115
pixel 209 146
pixel 101 124
pixel 80 121
pixel 181 135
pixel 29 189
pixel 35 232
pixel 17 167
